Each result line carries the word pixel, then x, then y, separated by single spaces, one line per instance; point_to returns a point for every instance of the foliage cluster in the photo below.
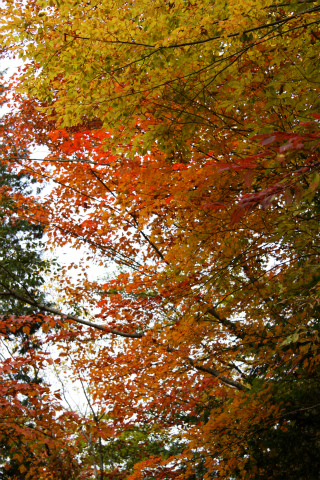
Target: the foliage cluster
pixel 184 145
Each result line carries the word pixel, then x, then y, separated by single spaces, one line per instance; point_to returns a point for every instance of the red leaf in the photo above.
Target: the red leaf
pixel 214 206
pixel 285 147
pixel 248 178
pixel 237 215
pixel 268 140
pixel 287 197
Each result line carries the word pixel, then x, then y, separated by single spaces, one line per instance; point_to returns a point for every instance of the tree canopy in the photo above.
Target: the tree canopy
pixel 183 143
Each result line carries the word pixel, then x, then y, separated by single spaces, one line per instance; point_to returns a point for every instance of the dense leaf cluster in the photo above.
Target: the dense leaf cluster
pixel 184 144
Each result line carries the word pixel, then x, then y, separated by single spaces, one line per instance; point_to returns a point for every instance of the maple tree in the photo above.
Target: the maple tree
pixel 184 145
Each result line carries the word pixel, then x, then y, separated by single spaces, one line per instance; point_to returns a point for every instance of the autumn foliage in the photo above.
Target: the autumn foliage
pixel 183 155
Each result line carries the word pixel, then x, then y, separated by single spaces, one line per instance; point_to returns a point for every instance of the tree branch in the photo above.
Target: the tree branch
pixel 215 373
pixel 231 326
pixel 65 316
pixel 216 37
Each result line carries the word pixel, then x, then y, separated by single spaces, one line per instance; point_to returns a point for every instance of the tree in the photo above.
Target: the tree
pixel 22 269
pixel 24 411
pixel 185 149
